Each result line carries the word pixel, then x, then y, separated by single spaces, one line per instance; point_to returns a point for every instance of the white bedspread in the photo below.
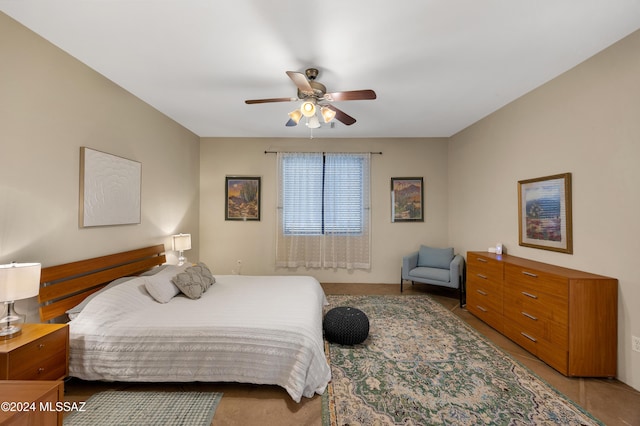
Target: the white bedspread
pixel 248 329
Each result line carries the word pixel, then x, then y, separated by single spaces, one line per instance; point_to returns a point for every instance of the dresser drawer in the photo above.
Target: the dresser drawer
pixel 538 327
pixel 42 359
pixel 483 284
pixel 527 301
pixel 549 352
pixel 537 282
pixel 524 338
pixel 484 268
pixel 485 296
pixel 489 316
pixel 486 307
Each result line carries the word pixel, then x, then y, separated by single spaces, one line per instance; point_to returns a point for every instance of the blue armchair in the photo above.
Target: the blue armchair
pixel 435 266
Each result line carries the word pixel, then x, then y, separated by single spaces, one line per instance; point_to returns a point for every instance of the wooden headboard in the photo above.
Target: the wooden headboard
pixel 64 286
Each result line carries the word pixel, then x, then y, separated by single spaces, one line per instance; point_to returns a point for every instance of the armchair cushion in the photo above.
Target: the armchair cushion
pixel 431 257
pixel 436 274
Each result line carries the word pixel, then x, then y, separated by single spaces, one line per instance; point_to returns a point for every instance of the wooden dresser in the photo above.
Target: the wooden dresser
pixel 567 318
pixel 39 352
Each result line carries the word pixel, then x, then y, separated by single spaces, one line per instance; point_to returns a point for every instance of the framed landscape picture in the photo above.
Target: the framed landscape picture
pixel 407 199
pixel 242 195
pixel 544 213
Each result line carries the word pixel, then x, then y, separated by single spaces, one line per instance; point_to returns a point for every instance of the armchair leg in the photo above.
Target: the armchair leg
pixel 463 292
pixel 401 280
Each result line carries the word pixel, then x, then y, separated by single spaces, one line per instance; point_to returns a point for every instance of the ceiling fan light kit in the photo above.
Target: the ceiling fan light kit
pixel 313 95
pixel 313 122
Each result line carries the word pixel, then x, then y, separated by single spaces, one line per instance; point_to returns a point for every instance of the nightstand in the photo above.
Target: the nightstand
pixel 31 402
pixel 40 352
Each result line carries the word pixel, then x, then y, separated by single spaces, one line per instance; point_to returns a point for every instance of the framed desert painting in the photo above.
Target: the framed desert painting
pixel 544 213
pixel 242 195
pixel 407 199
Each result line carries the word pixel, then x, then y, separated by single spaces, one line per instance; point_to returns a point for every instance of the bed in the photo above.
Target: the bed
pixel 247 329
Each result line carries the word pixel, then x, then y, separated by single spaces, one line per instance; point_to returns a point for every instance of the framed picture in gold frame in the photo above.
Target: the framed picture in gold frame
pixel 544 213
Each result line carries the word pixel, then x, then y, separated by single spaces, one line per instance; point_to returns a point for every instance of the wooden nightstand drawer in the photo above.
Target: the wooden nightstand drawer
pixel 50 368
pixel 39 353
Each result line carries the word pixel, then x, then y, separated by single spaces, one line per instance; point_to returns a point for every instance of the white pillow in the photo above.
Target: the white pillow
pixel 160 287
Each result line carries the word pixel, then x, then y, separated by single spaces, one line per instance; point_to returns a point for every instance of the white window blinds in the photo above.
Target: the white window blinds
pixel 323 204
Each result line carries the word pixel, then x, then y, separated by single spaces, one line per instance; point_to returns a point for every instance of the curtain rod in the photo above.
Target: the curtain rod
pixel 275 152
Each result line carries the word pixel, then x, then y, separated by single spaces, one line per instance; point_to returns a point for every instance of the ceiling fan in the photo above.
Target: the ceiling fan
pixel 315 98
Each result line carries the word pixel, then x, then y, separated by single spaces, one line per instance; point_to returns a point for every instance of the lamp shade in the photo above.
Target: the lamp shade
pixel 327 114
pixel 295 115
pixel 308 109
pixel 19 281
pixel 181 242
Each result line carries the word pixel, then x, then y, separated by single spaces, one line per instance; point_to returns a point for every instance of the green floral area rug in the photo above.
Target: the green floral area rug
pixel 422 365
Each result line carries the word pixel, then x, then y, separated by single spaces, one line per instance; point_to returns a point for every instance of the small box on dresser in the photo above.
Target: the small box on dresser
pixel 39 352
pixel 567 318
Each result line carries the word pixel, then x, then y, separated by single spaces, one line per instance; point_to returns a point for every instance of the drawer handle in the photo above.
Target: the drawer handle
pixel 41 345
pixel 479 259
pixel 484 277
pixel 533 296
pixel 529 316
pixel 484 293
pixel 481 308
pixel 40 370
pixel 528 337
pixel 530 274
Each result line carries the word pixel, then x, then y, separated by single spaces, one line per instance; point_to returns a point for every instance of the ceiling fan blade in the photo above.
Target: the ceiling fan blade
pixel 342 116
pixel 301 82
pixel 264 101
pixel 291 123
pixel 351 95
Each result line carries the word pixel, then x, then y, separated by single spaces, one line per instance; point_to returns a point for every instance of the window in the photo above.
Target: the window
pixel 323 206
pixel 323 194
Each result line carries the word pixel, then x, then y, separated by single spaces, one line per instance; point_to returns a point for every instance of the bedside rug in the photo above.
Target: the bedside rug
pixel 147 408
pixel 422 365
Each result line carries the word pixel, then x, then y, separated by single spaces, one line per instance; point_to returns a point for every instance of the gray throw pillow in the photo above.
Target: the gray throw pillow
pixel 202 271
pixel 194 281
pixel 435 257
pixel 189 283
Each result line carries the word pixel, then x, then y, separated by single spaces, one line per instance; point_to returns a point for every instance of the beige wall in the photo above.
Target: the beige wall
pixel 586 122
pixel 225 242
pixel 50 106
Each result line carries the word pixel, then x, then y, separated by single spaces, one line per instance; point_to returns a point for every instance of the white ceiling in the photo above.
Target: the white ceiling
pixel 437 66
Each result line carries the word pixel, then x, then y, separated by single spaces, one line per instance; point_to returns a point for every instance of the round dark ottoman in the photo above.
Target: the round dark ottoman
pixel 346 326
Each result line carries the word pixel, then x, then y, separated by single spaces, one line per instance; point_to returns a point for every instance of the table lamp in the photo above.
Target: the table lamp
pixel 17 281
pixel 181 242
